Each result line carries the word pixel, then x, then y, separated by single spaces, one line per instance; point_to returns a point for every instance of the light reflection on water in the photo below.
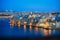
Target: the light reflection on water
pixel 46 32
pixel 28 30
pixel 24 28
pixel 30 27
pixel 36 29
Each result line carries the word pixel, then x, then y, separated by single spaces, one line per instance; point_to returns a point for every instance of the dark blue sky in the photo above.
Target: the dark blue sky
pixel 31 5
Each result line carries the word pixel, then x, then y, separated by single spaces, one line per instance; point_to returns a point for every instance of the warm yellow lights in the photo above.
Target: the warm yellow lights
pixel 12 22
pixel 19 23
pixel 44 24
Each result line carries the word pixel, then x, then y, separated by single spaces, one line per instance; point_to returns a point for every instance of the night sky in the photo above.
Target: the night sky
pixel 30 5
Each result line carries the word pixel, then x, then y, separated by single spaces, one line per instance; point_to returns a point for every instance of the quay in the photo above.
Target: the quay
pixel 39 25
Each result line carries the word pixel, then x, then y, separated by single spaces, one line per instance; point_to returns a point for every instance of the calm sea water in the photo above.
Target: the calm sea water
pixel 24 31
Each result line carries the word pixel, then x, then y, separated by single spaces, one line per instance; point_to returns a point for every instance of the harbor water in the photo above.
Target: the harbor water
pixel 24 31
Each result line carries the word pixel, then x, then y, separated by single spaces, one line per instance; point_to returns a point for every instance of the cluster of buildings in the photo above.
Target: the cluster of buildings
pixel 51 20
